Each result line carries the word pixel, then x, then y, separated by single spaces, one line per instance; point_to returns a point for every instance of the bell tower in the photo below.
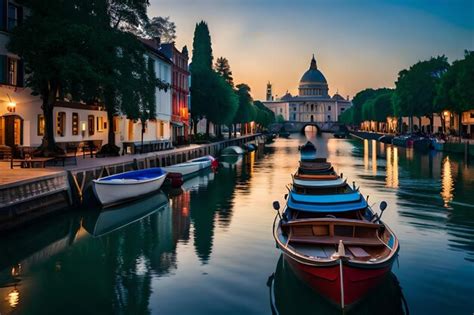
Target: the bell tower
pixel 269 92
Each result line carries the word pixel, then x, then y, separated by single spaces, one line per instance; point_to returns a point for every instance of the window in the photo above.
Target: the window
pixel 342 109
pixel 90 124
pixel 312 107
pixel 2 130
pixel 329 117
pixel 12 16
pixel 61 124
pixel 75 124
pixel 329 107
pixel 281 110
pixel 116 124
pixel 100 124
pixel 40 126
pixel 12 71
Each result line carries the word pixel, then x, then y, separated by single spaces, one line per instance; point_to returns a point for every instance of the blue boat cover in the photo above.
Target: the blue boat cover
pixel 358 204
pixel 334 198
pixel 145 174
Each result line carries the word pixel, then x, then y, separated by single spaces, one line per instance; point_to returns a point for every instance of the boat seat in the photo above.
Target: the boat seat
pixel 334 240
pixel 358 252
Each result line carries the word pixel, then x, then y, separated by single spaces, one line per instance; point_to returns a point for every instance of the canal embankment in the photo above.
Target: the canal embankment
pixel 464 147
pixel 27 194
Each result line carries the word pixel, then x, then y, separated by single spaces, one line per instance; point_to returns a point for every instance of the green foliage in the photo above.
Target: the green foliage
pixel 224 102
pixel 163 28
pixel 456 88
pixel 86 49
pixel 264 115
pixel 347 116
pixel 358 101
pixel 416 87
pixel 201 71
pixel 202 48
pixel 245 112
pixel 126 15
pixel 223 68
pixel 280 119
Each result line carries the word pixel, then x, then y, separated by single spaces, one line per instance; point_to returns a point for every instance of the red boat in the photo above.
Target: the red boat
pixel 340 258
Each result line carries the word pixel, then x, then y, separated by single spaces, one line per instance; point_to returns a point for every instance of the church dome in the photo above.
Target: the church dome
pixel 313 83
pixel 313 75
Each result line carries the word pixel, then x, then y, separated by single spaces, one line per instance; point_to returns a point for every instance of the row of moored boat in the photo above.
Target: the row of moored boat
pixel 329 234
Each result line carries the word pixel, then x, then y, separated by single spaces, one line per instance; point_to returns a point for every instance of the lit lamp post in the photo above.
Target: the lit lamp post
pixel 446 115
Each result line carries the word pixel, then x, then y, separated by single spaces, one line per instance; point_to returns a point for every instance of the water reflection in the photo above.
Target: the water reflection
pixel 289 295
pixel 374 157
pixel 366 154
pixel 391 179
pixel 447 184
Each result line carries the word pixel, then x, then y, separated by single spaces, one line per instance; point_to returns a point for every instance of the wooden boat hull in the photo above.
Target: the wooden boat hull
pixel 326 280
pixel 343 276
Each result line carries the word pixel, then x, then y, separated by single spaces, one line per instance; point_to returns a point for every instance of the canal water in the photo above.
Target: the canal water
pixel 208 248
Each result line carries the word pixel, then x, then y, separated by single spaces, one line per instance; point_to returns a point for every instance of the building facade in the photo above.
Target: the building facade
pixel 313 102
pixel 21 118
pixel 179 92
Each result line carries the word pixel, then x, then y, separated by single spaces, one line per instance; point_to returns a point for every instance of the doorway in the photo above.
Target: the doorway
pixel 13 130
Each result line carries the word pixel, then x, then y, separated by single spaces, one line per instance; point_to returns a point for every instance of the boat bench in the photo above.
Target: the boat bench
pixel 334 240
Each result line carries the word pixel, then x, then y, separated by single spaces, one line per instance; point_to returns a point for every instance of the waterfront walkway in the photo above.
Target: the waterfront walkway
pixel 9 176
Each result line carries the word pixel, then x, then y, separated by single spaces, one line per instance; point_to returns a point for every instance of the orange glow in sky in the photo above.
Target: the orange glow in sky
pixel 358 44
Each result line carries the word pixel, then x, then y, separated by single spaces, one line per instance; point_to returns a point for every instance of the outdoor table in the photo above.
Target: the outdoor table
pixel 30 163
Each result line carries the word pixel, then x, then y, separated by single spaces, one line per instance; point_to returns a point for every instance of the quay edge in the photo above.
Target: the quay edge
pixel 23 201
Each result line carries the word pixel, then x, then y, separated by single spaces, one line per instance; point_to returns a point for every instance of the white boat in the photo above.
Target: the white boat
pixel 104 222
pixel 190 167
pixel 232 150
pixel 319 183
pixel 117 188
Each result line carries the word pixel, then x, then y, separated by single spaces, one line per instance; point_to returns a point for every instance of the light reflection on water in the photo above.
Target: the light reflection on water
pixel 210 251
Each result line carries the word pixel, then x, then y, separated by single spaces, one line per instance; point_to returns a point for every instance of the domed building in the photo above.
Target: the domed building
pixel 313 102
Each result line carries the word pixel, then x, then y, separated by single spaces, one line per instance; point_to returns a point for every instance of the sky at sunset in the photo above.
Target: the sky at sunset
pixel 357 44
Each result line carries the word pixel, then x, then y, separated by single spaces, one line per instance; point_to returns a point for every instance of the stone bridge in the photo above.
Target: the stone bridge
pixel 299 126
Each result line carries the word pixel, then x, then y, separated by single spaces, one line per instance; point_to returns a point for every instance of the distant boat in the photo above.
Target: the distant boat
pixel 232 150
pixel 308 152
pixel 104 222
pixel 191 167
pixel 249 147
pixel 437 144
pixel 340 134
pixel 121 187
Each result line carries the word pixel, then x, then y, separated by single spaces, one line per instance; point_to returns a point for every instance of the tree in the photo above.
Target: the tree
pixel 456 88
pixel 416 88
pixel 201 74
pixel 245 110
pixel 223 68
pixel 280 119
pixel 224 102
pixel 52 67
pixel 264 115
pixel 358 101
pixel 163 28
pixel 127 15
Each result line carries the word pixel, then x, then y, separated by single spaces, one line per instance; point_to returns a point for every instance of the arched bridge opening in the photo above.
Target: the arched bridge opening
pixel 310 127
